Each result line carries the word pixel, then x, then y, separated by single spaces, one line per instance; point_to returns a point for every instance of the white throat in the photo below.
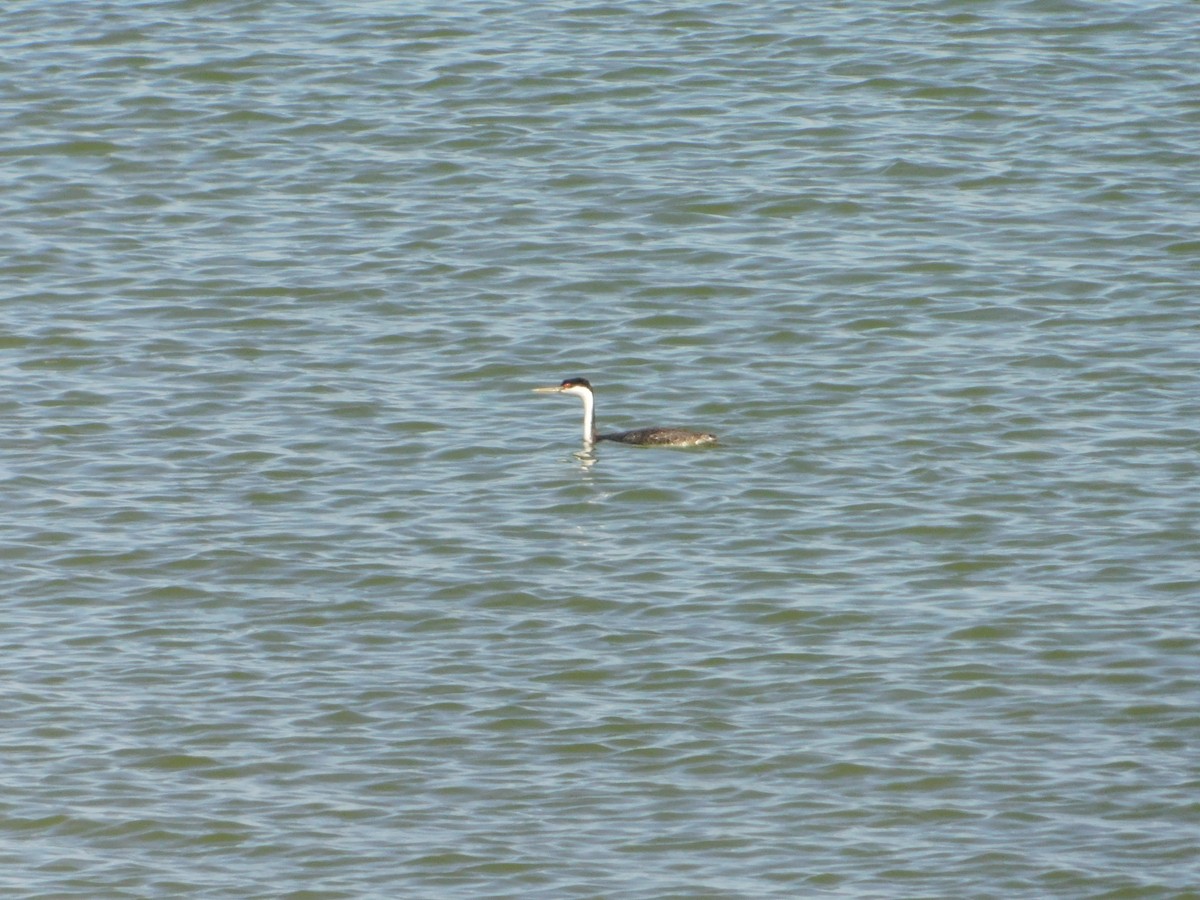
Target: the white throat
pixel 589 412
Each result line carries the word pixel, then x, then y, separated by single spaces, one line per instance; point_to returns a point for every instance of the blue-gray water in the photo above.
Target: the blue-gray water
pixel 305 595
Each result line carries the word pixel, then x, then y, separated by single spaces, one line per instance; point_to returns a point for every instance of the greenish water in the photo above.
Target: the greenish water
pixel 306 594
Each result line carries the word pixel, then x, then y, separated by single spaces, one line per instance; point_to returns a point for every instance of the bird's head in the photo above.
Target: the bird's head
pixel 580 387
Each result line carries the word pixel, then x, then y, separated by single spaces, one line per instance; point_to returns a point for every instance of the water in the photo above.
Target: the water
pixel 306 594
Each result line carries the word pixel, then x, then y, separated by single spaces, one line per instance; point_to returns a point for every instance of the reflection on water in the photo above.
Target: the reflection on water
pixel 587 457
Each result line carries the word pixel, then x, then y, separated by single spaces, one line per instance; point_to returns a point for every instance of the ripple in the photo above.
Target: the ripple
pixel 297 571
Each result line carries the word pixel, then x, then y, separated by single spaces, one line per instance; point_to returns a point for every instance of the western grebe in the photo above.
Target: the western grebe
pixel 645 437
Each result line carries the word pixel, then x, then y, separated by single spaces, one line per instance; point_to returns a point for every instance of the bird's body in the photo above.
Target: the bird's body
pixel 642 437
pixel 659 437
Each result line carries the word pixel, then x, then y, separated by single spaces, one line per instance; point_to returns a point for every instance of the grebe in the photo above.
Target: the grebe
pixel 645 437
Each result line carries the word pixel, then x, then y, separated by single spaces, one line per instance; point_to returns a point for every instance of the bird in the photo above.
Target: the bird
pixel 642 437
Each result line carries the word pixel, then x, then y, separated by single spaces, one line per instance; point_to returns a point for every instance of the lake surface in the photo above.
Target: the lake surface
pixel 306 595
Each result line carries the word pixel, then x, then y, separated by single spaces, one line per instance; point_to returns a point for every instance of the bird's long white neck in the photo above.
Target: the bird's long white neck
pixel 589 411
pixel 589 416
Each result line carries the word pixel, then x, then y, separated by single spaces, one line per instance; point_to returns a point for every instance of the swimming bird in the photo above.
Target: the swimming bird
pixel 644 437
